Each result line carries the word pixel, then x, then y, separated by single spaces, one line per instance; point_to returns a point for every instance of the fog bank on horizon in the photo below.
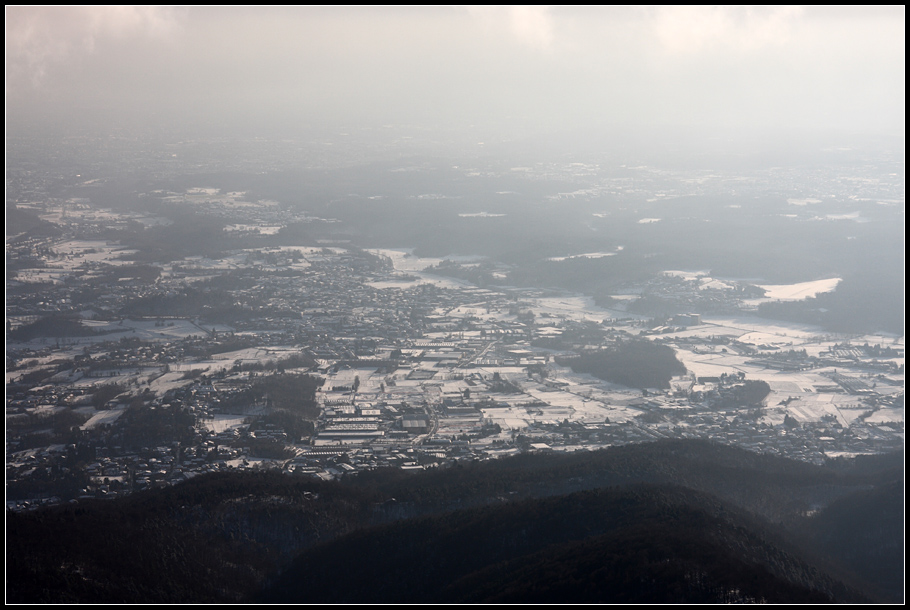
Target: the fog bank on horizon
pixel 515 71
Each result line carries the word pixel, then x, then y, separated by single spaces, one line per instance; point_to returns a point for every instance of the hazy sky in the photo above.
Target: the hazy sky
pixel 547 68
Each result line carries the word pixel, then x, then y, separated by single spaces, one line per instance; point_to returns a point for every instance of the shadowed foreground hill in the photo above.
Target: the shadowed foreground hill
pixel 695 520
pixel 858 530
pixel 212 539
pixel 777 488
pixel 641 544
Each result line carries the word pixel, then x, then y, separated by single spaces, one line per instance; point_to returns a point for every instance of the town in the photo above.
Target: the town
pixel 326 359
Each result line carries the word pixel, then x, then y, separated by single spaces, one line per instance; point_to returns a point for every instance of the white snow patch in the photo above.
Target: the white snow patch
pixel 802 290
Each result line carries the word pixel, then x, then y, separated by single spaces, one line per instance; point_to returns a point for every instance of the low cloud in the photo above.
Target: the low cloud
pixel 530 25
pixel 41 38
pixel 692 29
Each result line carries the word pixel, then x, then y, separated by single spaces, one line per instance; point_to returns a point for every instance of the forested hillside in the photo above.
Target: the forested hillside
pixel 696 521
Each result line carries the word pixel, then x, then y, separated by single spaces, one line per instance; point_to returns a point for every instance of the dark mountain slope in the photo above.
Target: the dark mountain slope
pixel 864 532
pixel 777 488
pixel 219 537
pixel 639 544
pixel 212 539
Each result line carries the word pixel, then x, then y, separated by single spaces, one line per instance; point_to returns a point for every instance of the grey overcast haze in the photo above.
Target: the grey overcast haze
pixel 504 69
pixel 585 304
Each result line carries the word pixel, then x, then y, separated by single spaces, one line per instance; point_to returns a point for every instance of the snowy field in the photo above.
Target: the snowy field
pixel 169 381
pixel 689 276
pixel 261 229
pixel 75 254
pixel 42 276
pixel 404 261
pixel 253 355
pixel 575 307
pixel 812 408
pixel 221 423
pixel 712 364
pixel 882 416
pixel 402 284
pixel 802 290
pixel 92 251
pixel 754 330
pixel 586 255
pixel 774 292
pixel 146 330
pixel 103 417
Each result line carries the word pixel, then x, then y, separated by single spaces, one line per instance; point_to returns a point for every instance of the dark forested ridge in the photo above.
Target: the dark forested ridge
pixel 855 530
pixel 635 544
pixel 675 521
pixel 636 364
pixel 215 538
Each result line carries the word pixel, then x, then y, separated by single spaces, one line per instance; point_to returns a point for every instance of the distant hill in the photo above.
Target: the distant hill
pixel 20 220
pixel 51 326
pixel 636 364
